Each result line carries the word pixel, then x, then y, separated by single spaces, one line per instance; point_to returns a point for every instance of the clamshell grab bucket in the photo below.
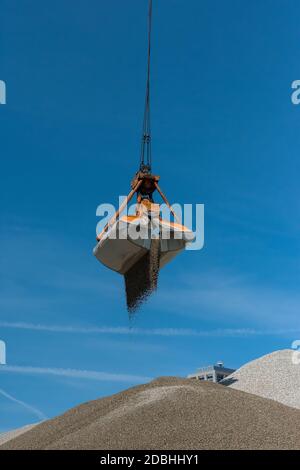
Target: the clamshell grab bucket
pixel 129 239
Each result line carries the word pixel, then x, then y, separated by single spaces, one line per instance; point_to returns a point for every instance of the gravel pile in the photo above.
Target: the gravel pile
pixel 170 413
pixel 141 279
pixel 7 436
pixel 272 376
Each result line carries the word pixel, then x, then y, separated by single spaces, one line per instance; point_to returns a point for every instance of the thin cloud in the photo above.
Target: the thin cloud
pixel 75 373
pixel 233 298
pixel 169 332
pixel 28 407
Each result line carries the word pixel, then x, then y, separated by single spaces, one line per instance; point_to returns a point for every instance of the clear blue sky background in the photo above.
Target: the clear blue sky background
pixel 225 134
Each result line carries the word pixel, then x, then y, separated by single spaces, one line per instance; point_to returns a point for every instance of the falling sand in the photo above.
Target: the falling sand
pixel 141 279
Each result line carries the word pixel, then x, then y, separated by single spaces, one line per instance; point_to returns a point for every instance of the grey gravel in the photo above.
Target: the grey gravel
pixel 271 376
pixel 170 413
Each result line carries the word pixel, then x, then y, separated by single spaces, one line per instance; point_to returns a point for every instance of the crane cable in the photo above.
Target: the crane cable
pixel 146 156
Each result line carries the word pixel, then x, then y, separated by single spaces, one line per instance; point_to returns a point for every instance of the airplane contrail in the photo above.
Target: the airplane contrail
pixel 76 373
pixel 28 407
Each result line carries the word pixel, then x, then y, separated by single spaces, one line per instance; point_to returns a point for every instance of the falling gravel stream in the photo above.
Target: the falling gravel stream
pixel 141 279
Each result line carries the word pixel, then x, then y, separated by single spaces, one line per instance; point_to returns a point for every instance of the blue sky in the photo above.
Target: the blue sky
pixel 225 134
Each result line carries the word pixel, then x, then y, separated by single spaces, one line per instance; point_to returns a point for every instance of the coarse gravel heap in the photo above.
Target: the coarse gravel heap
pixel 9 435
pixel 169 413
